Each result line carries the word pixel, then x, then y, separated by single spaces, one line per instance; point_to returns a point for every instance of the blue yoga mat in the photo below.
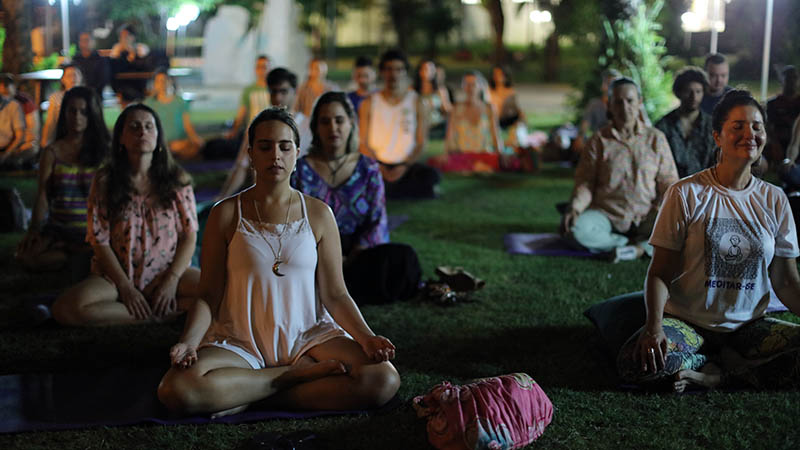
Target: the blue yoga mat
pixel 545 244
pixel 111 397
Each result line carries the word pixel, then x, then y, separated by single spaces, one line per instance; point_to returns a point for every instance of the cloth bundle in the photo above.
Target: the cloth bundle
pixel 504 412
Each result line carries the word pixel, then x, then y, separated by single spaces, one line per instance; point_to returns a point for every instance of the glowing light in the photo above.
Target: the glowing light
pixel 470 2
pixel 540 16
pixel 187 13
pixel 690 21
pixel 172 24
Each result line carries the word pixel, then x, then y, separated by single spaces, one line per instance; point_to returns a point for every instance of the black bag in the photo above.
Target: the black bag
pixel 383 274
pixel 12 212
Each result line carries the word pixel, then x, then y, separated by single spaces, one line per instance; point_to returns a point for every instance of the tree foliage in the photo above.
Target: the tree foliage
pixel 638 50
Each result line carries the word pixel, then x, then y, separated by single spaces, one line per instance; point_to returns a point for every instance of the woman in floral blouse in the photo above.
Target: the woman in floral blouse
pixel 351 184
pixel 142 225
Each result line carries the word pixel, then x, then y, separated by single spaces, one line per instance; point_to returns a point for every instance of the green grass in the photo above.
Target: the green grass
pixel 528 319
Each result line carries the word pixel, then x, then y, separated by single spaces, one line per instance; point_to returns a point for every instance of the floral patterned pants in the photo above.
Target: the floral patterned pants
pixel 775 341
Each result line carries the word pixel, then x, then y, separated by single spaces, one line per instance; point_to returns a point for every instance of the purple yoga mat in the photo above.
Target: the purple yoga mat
pixel 110 397
pixel 546 244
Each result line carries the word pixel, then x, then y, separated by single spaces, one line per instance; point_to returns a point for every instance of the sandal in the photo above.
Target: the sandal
pixel 459 279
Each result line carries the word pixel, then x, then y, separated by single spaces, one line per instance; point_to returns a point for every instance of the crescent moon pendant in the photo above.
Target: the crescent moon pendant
pixel 276 266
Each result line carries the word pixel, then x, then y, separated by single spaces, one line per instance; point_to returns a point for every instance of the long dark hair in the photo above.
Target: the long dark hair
pixel 96 139
pixel 165 174
pixel 418 77
pixel 334 97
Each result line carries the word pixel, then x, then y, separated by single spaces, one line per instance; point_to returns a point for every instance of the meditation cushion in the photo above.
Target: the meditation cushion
pixel 505 412
pixel 617 319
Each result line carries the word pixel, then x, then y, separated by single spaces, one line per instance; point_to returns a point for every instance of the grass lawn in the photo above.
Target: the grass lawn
pixel 527 319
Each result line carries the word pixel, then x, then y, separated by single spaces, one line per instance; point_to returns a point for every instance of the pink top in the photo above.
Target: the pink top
pixel 146 238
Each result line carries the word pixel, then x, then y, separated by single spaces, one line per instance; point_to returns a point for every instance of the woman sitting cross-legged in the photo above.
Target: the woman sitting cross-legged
pixel 722 238
pixel 375 270
pixel 142 225
pixel 263 331
pixel 66 170
pixel 472 126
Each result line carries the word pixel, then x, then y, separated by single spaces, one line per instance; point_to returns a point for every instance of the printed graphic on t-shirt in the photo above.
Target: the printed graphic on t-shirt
pixel 732 249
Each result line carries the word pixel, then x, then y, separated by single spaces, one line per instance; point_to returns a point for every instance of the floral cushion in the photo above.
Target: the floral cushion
pixel 504 412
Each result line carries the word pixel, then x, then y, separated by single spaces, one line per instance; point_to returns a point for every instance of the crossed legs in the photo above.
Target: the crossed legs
pixel 332 375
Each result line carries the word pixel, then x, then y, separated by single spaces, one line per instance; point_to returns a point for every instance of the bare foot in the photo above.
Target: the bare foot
pixel 709 377
pixel 309 372
pixel 228 412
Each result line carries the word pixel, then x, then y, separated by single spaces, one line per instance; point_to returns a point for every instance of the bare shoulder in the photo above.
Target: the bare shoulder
pixel 320 216
pixel 222 217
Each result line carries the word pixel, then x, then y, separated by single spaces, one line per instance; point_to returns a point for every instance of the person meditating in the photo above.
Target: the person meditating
pixel 472 126
pixel 375 271
pixel 263 330
pixel 621 177
pixel 142 225
pixel 723 237
pixel 66 170
pixel 687 127
pixel 434 98
pixel 173 110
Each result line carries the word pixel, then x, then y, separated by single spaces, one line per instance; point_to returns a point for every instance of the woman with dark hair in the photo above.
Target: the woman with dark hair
pixel 275 321
pixel 351 184
pixel 434 97
pixel 142 225
pixel 71 76
pixel 66 170
pixel 503 98
pixel 722 241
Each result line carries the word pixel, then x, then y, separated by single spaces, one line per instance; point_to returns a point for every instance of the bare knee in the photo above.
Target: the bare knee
pixel 66 309
pixel 177 391
pixel 376 383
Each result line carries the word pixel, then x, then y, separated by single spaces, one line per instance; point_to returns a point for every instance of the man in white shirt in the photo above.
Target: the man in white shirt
pixel 392 131
pixel 12 123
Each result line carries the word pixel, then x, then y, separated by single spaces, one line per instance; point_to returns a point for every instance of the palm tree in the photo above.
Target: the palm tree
pixel 17 45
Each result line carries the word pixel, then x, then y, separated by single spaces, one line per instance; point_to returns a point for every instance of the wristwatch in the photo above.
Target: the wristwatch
pixel 786 161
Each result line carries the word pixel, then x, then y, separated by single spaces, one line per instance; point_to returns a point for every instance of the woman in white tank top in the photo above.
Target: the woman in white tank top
pixel 264 331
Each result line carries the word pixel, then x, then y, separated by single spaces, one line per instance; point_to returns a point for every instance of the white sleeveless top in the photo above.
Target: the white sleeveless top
pixel 393 128
pixel 269 320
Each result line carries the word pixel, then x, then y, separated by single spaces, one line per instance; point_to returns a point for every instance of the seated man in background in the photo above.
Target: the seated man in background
pixel 620 179
pixel 282 85
pixel 254 99
pixel 316 85
pixel 393 132
pixel 718 72
pixel 95 68
pixel 687 127
pixel 364 78
pixel 12 126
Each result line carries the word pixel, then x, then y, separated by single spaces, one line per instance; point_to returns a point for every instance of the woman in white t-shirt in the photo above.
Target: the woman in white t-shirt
pixel 722 241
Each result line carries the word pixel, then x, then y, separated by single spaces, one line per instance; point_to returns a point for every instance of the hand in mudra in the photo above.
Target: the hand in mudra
pixel 183 355
pixel 378 348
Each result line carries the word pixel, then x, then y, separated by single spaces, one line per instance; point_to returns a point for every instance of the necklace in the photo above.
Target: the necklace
pixel 278 261
pixel 333 170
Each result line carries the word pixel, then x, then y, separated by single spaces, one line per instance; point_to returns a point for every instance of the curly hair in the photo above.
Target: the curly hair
pixel 166 176
pixel 689 74
pixel 96 140
pixel 334 97
pixel 732 99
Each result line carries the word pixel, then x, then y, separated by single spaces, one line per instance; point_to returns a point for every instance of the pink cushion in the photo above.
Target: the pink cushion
pixel 505 412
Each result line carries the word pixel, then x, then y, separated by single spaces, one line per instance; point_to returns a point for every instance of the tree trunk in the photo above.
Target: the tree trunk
pixel 495 8
pixel 17 46
pixel 400 13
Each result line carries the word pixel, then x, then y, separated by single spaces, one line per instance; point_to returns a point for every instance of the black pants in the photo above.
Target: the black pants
pixel 418 182
pixel 383 274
